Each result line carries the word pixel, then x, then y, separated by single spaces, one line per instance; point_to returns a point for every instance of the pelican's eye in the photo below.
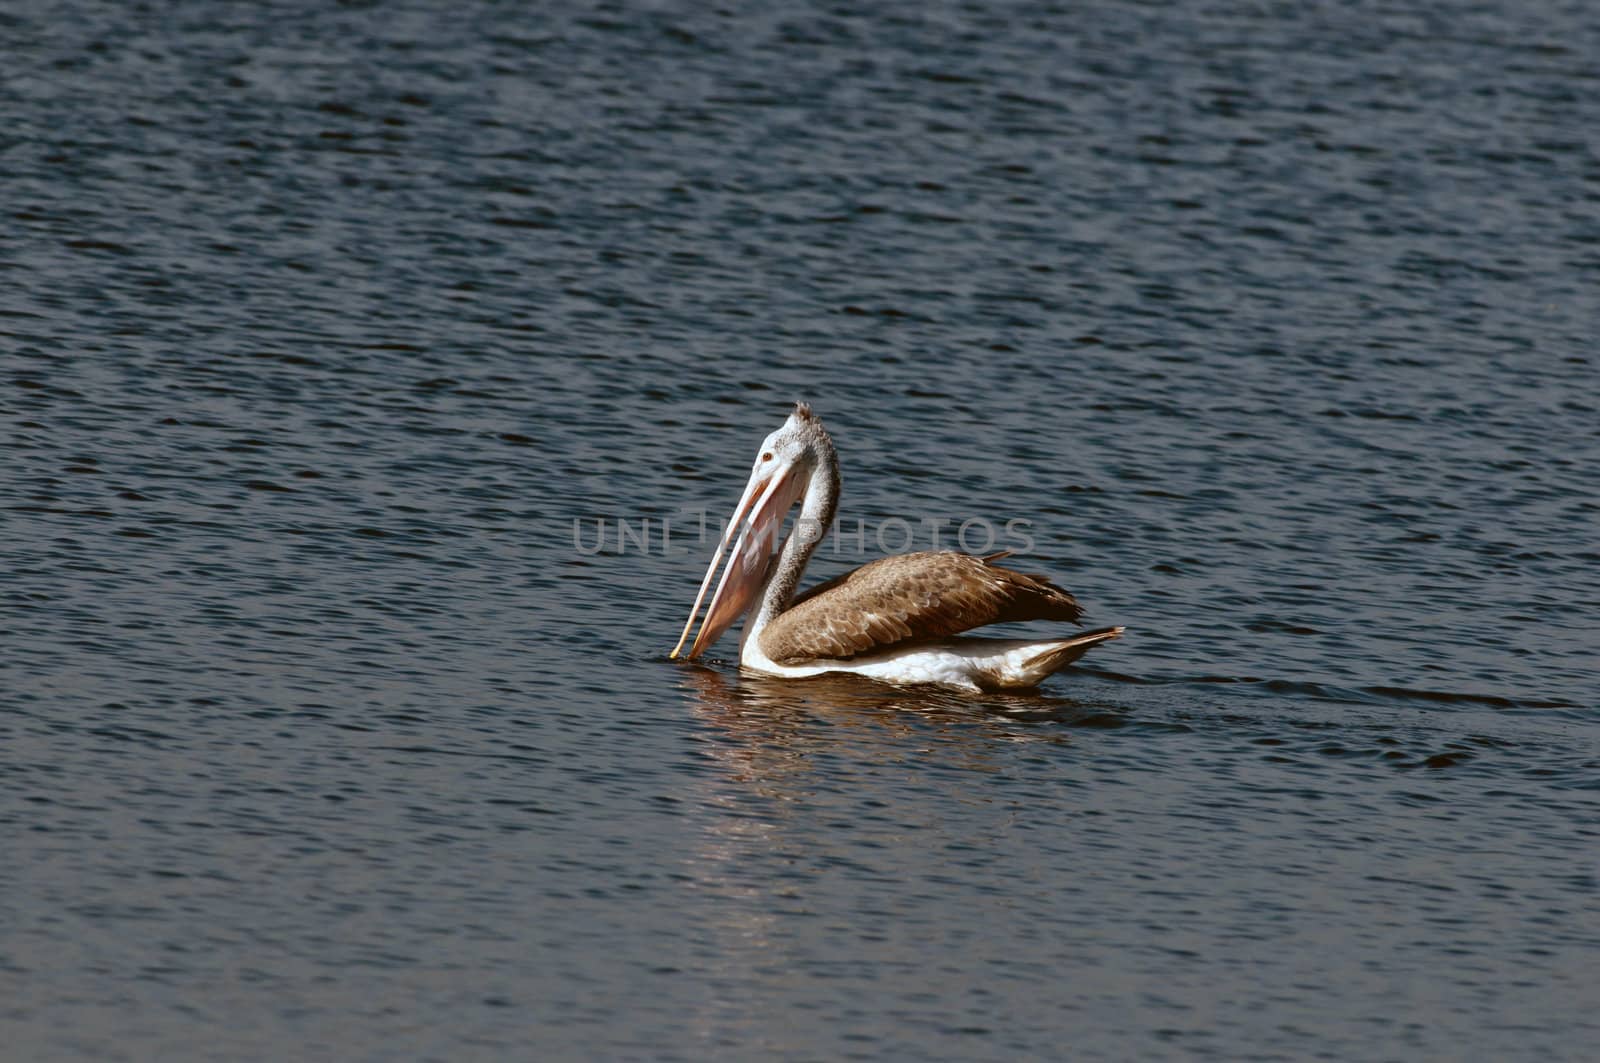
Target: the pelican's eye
pixel 767 456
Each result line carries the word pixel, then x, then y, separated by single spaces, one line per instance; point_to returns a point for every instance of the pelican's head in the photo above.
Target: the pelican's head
pixel 778 479
pixel 800 442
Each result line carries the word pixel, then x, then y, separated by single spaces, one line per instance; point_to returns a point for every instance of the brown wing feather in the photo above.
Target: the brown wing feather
pixel 907 598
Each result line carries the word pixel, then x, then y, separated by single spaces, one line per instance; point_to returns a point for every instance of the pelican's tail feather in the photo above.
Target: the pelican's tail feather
pixel 1056 655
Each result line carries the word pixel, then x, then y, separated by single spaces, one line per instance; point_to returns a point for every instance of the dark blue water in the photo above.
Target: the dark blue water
pixel 330 334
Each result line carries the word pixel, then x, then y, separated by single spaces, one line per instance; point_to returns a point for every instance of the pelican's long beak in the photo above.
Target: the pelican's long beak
pixel 766 500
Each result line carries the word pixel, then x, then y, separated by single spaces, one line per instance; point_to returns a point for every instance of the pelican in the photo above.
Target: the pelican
pixel 898 619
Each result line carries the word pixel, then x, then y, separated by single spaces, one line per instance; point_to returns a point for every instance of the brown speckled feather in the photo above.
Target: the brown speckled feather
pixel 909 598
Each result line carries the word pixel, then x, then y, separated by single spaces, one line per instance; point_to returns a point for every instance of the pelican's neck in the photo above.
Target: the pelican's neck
pixel 821 502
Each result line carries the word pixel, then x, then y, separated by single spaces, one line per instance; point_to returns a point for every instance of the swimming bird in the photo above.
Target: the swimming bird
pixel 898 619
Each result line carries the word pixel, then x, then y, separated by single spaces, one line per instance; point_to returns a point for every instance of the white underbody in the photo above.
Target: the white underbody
pixel 971 664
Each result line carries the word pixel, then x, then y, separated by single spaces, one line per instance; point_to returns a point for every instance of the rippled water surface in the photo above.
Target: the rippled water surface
pixel 337 340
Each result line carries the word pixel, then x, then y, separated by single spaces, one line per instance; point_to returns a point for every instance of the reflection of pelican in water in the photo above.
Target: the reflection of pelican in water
pixel 898 619
pixel 779 726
